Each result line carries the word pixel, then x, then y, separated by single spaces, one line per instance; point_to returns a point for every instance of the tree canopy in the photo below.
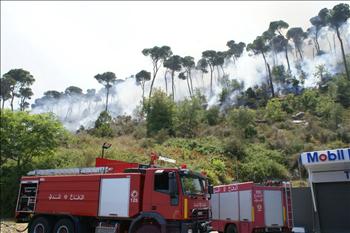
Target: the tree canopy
pixel 17 84
pixel 107 79
pixel 25 136
pixel 158 56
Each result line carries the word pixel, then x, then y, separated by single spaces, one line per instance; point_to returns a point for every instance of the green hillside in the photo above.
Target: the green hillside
pixel 239 143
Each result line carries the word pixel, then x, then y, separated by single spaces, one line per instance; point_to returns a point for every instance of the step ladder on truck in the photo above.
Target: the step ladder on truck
pixel 289 204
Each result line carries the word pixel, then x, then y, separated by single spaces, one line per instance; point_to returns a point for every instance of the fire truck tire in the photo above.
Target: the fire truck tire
pixel 64 225
pixel 40 225
pixel 148 229
pixel 231 229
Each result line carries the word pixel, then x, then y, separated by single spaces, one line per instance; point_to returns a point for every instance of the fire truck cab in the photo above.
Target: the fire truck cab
pixel 139 199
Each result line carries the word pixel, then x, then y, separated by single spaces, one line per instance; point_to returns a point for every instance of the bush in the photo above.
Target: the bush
pixel 261 170
pixel 160 113
pixel 260 163
pixel 274 111
pixel 241 118
pixel 212 115
pixel 103 125
pixel 188 117
pixel 308 100
pixel 343 93
pixel 123 125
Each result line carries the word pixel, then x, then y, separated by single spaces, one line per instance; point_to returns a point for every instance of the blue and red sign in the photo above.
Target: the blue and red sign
pixel 328 156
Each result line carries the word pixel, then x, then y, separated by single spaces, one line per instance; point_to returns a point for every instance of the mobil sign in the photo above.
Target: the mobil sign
pixel 326 157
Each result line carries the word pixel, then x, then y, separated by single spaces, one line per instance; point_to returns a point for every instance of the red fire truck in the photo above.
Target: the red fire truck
pixel 250 208
pixel 115 197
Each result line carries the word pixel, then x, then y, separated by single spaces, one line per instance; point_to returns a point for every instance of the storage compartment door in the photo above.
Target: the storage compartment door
pixel 273 208
pixel 215 205
pixel 245 205
pixel 114 197
pixel 229 206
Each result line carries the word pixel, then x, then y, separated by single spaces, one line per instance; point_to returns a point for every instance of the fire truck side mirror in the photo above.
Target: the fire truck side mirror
pixel 173 191
pixel 210 189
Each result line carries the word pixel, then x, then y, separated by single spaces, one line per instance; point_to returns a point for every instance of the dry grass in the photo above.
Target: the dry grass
pixel 9 226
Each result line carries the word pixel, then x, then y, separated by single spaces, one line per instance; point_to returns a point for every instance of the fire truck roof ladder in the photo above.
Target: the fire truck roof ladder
pixel 69 171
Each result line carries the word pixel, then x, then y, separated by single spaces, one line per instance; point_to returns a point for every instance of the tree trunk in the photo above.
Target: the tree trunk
pixel 11 103
pixel 334 46
pixel 343 53
pixel 172 84
pixel 211 80
pixel 313 49
pixel 286 54
pixel 3 104
pixel 155 71
pixel 270 76
pixel 300 54
pixel 188 86
pixel 296 53
pixel 223 71
pixel 21 105
pixel 203 80
pixel 218 71
pixel 107 98
pixel 271 84
pixel 143 92
pixel 165 80
pixel 190 76
pixel 318 49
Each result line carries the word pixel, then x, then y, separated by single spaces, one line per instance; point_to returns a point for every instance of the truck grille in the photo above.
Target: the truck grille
pixel 200 214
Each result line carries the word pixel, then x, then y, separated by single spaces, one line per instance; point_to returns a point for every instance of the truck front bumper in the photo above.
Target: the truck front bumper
pixel 196 227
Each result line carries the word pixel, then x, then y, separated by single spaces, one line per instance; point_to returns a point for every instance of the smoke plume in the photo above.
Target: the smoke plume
pixel 82 110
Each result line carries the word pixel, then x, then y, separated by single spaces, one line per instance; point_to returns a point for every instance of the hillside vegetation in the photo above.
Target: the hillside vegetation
pixel 240 143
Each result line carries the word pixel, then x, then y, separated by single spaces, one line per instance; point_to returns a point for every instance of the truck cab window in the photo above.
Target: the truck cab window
pixel 161 182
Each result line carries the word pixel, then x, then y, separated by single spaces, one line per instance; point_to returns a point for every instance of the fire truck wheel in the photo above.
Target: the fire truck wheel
pixel 64 226
pixel 231 229
pixel 148 229
pixel 40 225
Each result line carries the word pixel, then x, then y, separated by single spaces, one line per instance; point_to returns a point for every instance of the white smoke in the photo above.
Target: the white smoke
pixel 126 96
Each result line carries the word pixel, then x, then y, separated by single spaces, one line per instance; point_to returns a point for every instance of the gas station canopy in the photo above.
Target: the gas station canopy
pixel 329 177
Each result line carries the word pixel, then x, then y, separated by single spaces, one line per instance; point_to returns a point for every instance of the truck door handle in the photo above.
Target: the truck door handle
pixel 154 207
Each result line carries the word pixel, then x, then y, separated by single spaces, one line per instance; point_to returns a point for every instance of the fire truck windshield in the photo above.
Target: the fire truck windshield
pixel 192 185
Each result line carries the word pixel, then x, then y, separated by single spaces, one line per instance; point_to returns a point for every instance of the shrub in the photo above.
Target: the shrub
pixel 103 125
pixel 212 115
pixel 188 117
pixel 241 117
pixel 274 111
pixel 160 110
